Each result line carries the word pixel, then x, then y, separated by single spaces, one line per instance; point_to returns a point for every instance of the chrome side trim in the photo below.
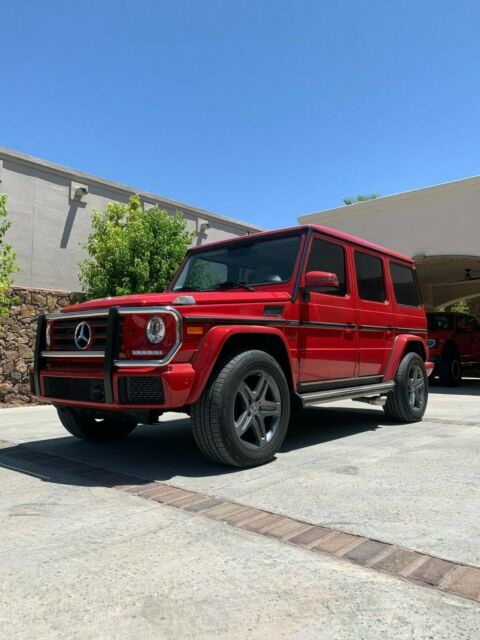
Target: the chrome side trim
pixel 73 354
pixel 74 315
pixel 345 394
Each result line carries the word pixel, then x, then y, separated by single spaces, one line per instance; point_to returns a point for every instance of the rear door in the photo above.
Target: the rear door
pixel 467 336
pixel 327 331
pixel 376 331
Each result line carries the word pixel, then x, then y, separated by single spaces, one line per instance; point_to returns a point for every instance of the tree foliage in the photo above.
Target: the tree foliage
pixel 359 198
pixel 131 250
pixel 8 265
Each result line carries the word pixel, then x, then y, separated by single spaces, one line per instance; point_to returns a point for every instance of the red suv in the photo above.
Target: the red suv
pixel 454 342
pixel 248 330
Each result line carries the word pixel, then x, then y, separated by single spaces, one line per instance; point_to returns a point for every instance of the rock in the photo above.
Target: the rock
pixel 17 337
pixel 25 351
pixel 29 311
pixel 5 387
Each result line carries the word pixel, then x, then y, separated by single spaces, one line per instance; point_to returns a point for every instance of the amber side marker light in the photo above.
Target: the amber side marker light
pixel 194 331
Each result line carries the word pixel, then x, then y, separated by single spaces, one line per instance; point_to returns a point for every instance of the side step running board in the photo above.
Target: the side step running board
pixel 347 393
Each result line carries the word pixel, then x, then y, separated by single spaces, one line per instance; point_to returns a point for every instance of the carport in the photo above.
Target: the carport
pixel 439 226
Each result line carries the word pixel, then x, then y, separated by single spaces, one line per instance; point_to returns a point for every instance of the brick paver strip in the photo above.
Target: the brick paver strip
pixel 468 584
pixel 309 536
pixel 265 522
pixel 396 561
pixel 432 571
pixel 208 503
pixel 287 528
pixel 366 551
pixel 239 517
pixel 334 542
pixel 453 577
pixel 223 510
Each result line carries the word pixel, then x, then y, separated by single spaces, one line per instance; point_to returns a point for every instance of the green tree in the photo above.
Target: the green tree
pixel 359 198
pixel 8 265
pixel 131 250
pixel 461 306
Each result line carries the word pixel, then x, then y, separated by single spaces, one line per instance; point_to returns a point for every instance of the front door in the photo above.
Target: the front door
pixel 327 331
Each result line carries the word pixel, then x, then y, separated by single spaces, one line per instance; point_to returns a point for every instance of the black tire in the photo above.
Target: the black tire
pixel 401 405
pixel 84 426
pixel 227 420
pixel 450 368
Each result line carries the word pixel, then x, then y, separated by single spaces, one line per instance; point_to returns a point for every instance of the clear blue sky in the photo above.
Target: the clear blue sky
pixel 257 109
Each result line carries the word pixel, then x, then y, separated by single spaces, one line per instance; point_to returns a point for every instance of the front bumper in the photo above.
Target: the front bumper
pixel 104 381
pixel 429 367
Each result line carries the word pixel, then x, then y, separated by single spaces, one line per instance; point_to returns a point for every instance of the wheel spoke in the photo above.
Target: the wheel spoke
pixel 258 426
pixel 243 422
pixel 261 388
pixel 268 408
pixel 246 393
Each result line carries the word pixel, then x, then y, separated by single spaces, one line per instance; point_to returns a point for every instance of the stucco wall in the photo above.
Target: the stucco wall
pixel 48 225
pixel 439 220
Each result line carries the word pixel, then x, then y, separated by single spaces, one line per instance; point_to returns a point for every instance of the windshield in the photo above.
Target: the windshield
pixel 244 264
pixel 439 322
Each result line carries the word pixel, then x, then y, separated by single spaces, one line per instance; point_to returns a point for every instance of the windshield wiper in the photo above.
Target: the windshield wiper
pixel 187 289
pixel 235 284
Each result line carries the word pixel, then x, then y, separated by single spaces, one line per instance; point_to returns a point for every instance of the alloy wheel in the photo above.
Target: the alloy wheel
pixel 416 387
pixel 257 409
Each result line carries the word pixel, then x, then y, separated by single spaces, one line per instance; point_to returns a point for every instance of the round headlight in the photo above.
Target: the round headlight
pixel 155 330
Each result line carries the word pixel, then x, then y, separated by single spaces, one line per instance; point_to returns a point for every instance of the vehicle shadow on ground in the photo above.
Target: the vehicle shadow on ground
pixel 166 450
pixel 468 387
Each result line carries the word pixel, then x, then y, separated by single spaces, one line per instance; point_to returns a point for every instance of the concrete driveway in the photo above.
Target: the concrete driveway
pixel 83 559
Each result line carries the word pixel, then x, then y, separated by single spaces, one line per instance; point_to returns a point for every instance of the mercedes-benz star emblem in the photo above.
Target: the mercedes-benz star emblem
pixel 83 335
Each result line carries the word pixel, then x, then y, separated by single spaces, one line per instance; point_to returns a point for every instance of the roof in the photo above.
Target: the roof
pixel 440 190
pixel 50 167
pixel 334 233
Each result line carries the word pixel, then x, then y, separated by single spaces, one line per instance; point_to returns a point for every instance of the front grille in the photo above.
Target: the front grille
pixel 81 389
pixel 141 390
pixel 63 334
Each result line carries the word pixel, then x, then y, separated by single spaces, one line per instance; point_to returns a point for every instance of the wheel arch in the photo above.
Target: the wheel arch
pixel 221 343
pixel 404 344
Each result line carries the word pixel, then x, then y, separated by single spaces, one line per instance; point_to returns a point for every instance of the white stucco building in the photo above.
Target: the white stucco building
pixel 439 226
pixel 51 206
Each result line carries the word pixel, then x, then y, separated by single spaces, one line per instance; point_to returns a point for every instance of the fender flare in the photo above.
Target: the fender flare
pixel 399 347
pixel 212 345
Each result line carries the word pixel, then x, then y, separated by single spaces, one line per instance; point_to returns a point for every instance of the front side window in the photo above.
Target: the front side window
pixel 404 285
pixel 370 280
pixel 245 263
pixel 330 257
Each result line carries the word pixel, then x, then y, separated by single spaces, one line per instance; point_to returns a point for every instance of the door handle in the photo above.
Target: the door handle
pixel 390 330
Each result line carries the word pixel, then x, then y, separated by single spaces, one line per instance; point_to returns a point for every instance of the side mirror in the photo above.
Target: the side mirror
pixel 321 281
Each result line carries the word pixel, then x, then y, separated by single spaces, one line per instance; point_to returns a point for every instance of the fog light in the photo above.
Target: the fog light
pixel 155 330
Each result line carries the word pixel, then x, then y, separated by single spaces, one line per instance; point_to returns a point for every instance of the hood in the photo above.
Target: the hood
pixel 169 298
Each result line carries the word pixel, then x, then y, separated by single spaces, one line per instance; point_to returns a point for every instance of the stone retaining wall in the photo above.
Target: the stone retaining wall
pixel 17 339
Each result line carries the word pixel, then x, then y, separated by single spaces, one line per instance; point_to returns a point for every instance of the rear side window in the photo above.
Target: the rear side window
pixel 370 280
pixel 330 257
pixel 404 285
